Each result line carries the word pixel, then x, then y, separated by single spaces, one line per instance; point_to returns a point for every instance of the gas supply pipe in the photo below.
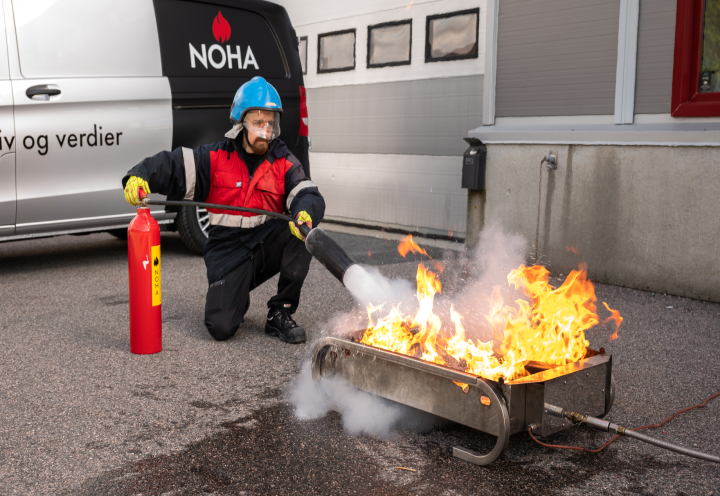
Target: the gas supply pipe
pixel 619 430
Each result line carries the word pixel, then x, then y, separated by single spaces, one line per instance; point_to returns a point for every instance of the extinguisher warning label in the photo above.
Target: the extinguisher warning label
pixel 156 292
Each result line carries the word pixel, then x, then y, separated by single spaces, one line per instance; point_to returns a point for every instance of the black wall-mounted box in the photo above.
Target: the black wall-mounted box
pixel 473 171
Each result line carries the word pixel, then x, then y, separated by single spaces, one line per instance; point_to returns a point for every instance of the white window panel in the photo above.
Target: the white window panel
pixel 336 51
pixel 302 48
pixel 389 44
pixel 452 36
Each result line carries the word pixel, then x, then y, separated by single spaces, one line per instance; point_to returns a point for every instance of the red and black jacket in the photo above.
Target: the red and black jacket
pixel 215 173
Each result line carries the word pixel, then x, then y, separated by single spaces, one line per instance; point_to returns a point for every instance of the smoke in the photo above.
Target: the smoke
pixel 468 285
pixel 362 413
pixel 497 254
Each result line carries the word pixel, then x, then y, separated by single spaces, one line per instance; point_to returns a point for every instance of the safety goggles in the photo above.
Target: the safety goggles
pixel 265 127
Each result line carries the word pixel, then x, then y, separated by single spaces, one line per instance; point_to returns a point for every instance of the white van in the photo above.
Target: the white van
pixel 88 88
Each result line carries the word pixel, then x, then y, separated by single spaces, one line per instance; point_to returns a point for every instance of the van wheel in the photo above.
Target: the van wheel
pixel 193 224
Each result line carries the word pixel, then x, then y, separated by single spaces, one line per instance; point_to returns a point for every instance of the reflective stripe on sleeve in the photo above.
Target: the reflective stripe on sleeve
pixel 189 164
pixel 297 189
pixel 228 220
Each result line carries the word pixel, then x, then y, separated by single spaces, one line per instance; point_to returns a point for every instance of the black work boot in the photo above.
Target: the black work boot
pixel 281 324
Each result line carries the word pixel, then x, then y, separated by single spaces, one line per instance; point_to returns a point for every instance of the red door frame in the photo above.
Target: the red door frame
pixel 687 101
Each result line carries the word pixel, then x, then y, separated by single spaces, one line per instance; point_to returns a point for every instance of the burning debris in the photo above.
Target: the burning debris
pixel 614 317
pixel 407 245
pixel 544 328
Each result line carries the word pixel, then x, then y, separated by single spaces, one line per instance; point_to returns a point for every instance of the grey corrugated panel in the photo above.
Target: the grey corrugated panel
pixel 547 59
pixel 587 24
pixel 566 45
pixel 420 117
pixel 546 7
pixel 556 57
pixel 561 47
pixel 557 70
pixel 558 97
pixel 584 109
pixel 656 45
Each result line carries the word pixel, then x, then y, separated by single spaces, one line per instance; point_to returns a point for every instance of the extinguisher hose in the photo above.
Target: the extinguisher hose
pixel 304 229
pixel 319 244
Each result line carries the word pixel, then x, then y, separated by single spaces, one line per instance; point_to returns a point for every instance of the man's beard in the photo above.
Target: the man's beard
pixel 260 146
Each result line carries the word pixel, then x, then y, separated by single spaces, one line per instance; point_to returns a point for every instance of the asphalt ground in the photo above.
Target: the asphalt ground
pixel 81 415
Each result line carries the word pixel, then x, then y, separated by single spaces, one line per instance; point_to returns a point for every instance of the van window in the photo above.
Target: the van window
pixel 76 38
pixel 4 66
pixel 202 40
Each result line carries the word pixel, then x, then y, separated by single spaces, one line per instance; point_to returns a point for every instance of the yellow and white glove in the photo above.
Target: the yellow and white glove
pixel 302 218
pixel 131 189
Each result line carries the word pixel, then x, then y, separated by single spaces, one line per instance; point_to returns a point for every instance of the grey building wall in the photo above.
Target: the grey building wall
pixel 556 57
pixel 656 45
pixel 634 220
pixel 421 193
pixel 420 117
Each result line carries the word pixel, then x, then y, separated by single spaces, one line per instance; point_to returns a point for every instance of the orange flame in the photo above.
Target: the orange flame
pixel 614 317
pixel 547 326
pixel 407 244
pixel 221 28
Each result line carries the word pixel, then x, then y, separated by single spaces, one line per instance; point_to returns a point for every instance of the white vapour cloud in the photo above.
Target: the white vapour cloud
pixel 369 286
pixel 362 413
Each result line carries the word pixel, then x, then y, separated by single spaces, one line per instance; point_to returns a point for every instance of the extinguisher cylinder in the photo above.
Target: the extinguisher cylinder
pixel 144 281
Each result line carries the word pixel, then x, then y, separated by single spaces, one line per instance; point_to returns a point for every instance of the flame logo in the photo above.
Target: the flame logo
pixel 221 28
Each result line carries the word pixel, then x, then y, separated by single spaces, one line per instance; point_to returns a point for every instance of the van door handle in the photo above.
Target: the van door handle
pixel 42 90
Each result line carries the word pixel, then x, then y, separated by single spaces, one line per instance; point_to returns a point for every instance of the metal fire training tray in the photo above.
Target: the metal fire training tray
pixel 496 408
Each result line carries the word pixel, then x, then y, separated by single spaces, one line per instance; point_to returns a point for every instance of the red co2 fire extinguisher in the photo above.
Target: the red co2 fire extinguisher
pixel 144 278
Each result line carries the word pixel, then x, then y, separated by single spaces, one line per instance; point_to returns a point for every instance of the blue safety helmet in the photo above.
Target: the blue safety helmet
pixel 256 94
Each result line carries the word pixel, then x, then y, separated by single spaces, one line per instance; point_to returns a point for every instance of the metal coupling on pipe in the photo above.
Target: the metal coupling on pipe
pixel 562 413
pixel 577 417
pixel 599 424
pixel 595 423
pixel 554 410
